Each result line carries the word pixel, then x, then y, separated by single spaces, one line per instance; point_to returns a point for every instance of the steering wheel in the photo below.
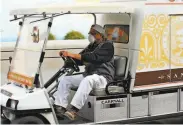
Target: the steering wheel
pixel 70 63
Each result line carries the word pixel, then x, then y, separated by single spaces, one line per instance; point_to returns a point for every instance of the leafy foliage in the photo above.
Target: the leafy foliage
pixel 51 37
pixel 74 35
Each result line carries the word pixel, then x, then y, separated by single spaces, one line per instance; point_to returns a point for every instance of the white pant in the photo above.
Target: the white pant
pixel 85 86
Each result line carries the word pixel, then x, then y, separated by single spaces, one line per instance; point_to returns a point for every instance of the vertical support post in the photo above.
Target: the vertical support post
pixel 128 105
pixel 51 106
pixel 39 69
pixel 170 43
pixel 127 67
pixel 36 79
pixel 18 38
pixel 41 78
pixel 95 18
pixel 94 108
pixel 179 100
pixel 149 103
pixel 17 42
pixel 129 49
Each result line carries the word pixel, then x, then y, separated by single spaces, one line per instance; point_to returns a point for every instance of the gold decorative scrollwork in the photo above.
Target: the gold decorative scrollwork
pixel 155 42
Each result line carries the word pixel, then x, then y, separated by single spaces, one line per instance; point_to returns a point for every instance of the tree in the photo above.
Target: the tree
pixel 51 37
pixel 74 35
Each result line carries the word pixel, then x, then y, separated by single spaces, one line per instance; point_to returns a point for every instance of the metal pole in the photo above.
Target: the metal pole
pixel 51 106
pixel 56 15
pixel 41 79
pixel 128 105
pixel 149 103
pixel 48 31
pixel 95 18
pixel 39 69
pixel 18 38
pixel 42 53
pixel 17 42
pixel 179 100
pixel 129 49
pixel 48 17
pixel 170 42
pixel 22 17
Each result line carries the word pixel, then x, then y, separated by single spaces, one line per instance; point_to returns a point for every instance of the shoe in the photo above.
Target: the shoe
pixel 59 110
pixel 70 115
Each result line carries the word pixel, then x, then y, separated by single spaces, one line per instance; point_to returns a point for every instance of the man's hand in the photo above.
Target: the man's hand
pixel 64 53
pixel 68 54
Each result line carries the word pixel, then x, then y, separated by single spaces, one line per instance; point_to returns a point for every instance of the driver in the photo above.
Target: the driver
pixel 99 70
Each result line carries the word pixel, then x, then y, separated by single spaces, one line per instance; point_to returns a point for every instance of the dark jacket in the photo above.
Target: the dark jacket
pixel 98 59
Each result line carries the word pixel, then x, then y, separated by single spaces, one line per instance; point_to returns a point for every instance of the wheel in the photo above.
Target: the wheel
pixel 4 121
pixel 28 120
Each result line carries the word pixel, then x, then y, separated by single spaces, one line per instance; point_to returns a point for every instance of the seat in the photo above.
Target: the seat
pixel 120 67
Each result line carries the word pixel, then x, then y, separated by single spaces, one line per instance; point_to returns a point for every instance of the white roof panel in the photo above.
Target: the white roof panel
pixel 76 8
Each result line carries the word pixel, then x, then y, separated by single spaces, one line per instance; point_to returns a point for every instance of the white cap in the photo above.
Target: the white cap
pixel 99 29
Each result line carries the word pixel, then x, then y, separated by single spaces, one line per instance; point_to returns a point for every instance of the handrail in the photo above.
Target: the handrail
pixel 64 48
pixel 5 59
pixel 45 49
pixel 8 51
pixel 5 51
pixel 49 57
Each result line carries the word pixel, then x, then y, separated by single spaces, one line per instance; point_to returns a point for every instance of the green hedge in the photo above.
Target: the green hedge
pixel 74 35
pixel 51 37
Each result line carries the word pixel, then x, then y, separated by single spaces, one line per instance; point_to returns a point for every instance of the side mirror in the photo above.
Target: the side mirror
pixel 35 34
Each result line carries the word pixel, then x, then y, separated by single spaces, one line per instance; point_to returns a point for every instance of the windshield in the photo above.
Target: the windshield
pixel 27 53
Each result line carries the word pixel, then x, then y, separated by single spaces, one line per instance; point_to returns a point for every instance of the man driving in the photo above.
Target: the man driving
pixel 99 70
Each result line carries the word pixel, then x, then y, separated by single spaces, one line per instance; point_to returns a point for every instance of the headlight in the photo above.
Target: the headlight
pixel 12 103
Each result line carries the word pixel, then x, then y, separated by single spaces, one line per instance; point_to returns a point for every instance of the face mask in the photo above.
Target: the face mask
pixel 91 38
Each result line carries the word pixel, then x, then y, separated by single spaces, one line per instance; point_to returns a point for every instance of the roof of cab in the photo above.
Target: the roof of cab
pixel 76 8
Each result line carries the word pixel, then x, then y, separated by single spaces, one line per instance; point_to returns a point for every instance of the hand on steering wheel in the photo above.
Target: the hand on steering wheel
pixel 61 54
pixel 69 62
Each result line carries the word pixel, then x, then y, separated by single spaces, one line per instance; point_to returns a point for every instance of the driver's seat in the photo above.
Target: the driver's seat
pixel 120 67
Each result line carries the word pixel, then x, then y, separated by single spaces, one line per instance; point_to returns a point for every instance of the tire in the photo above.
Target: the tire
pixel 4 121
pixel 28 120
